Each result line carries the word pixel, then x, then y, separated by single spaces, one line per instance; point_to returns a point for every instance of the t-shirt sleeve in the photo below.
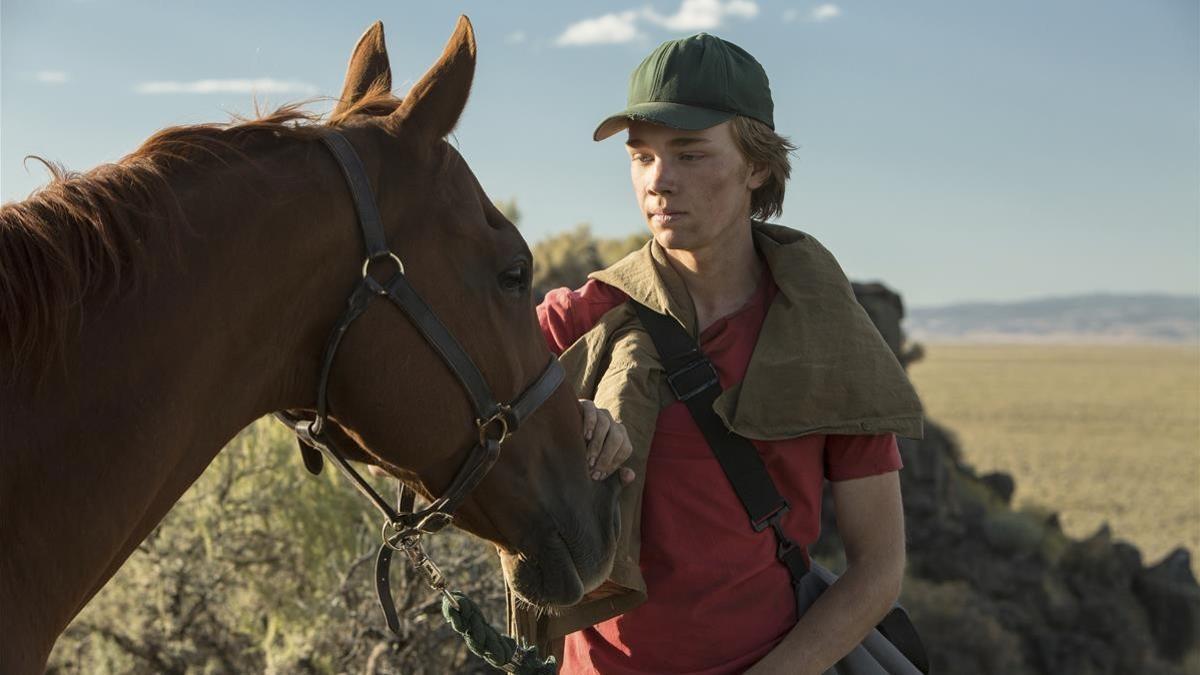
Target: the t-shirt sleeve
pixel 860 455
pixel 565 315
pixel 556 318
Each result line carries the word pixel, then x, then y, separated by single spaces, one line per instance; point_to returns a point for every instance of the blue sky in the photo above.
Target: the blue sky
pixel 953 150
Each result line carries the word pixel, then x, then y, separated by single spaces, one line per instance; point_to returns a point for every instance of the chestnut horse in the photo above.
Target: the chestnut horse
pixel 153 308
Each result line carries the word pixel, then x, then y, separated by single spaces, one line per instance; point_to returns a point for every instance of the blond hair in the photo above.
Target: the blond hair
pixel 759 144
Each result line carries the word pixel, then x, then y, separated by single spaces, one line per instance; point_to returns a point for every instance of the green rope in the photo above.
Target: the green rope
pixel 486 642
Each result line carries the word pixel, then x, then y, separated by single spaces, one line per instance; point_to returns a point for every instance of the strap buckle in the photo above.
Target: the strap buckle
pixel 787 551
pixel 687 382
pixel 774 519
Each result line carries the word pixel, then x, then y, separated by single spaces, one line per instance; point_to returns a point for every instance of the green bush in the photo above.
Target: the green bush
pixel 261 567
pixel 566 259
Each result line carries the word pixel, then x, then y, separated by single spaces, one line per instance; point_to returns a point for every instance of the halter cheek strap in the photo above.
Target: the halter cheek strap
pixel 494 421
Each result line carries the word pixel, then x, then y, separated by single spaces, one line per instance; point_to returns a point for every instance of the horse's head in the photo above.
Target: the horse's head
pixel 390 392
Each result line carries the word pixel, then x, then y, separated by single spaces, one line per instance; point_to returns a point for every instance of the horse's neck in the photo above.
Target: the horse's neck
pixel 155 385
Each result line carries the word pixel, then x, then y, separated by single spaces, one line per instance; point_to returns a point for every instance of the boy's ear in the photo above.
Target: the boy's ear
pixel 758 175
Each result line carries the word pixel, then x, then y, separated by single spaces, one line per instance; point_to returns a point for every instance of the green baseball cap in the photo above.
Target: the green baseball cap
pixel 694 83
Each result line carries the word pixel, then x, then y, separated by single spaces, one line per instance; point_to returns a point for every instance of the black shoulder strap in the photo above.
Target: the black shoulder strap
pixel 693 379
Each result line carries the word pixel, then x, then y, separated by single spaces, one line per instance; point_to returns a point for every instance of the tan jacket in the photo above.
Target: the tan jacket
pixel 820 367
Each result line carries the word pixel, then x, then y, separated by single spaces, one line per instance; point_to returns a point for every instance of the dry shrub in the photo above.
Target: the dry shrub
pixel 960 630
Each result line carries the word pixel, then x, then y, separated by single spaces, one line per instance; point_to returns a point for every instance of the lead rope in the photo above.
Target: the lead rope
pixel 464 616
pixel 489 644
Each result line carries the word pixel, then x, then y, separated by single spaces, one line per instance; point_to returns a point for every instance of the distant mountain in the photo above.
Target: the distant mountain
pixel 1098 317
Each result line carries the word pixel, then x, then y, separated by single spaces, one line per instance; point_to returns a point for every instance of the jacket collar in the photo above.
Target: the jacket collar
pixel 648 277
pixel 817 345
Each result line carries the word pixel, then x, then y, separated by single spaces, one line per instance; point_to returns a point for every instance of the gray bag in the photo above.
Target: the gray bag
pixel 875 655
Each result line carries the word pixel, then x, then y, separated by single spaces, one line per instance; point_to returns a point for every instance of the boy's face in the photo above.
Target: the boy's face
pixel 693 187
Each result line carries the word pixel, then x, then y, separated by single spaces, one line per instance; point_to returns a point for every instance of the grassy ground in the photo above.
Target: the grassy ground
pixel 1098 433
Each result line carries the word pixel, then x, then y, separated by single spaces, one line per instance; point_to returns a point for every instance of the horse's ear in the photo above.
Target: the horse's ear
pixel 432 107
pixel 368 67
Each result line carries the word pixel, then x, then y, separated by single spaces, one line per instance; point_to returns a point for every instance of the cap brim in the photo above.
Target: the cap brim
pixel 674 115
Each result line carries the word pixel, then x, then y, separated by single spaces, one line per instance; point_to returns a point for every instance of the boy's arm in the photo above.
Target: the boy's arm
pixel 870 519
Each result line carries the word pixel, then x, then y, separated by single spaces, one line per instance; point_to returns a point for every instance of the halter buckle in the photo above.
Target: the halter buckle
pixel 396 536
pixel 313 429
pixel 501 417
pixel 434 521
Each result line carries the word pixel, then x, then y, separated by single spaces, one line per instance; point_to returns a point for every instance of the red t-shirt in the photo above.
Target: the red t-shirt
pixel 718 599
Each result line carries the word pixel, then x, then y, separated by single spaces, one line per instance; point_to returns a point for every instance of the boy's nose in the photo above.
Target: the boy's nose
pixel 661 180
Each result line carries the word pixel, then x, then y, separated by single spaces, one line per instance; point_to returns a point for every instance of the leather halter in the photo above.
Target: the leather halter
pixel 494 421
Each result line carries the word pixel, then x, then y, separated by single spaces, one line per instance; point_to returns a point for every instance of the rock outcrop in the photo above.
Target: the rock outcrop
pixel 996 590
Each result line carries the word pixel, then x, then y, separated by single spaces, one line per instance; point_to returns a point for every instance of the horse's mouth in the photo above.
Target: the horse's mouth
pixel 556 574
pixel 549 577
pixel 561 561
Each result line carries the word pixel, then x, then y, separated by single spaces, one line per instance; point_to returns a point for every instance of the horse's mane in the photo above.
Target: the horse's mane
pixel 89 234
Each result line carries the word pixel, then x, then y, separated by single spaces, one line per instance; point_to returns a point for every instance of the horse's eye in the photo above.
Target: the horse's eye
pixel 515 279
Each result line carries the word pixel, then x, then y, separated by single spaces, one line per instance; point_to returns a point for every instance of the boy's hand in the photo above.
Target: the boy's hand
pixel 608 444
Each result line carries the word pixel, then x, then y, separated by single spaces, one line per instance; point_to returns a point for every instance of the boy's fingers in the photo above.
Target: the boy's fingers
pixel 626 475
pixel 606 460
pixel 616 455
pixel 589 418
pixel 599 438
pixel 625 453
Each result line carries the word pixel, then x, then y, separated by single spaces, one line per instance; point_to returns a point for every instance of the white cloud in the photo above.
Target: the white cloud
pixel 618 27
pixel 515 38
pixel 262 85
pixel 790 15
pixel 743 9
pixel 603 30
pixel 825 12
pixel 702 14
pixel 51 76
